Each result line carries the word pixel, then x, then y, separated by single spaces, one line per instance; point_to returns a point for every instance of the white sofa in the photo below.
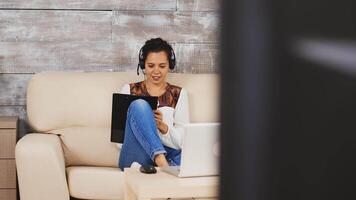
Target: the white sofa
pixel 71 154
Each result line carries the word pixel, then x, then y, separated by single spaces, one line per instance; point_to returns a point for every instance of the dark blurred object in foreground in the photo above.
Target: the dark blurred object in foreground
pixel 288 106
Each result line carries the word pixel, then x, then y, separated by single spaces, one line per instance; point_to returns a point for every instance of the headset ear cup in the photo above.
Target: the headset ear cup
pixel 171 65
pixel 141 63
pixel 172 62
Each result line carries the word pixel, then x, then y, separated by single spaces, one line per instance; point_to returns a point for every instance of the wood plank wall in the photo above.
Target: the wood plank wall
pixel 105 35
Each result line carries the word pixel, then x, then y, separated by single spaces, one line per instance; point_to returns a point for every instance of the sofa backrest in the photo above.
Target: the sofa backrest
pixel 57 100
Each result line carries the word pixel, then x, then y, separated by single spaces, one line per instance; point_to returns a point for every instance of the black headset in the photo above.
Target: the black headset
pixel 141 59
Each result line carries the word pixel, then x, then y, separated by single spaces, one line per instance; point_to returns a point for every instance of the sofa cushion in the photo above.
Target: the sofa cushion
pixel 203 94
pixel 62 99
pixel 57 100
pixel 89 146
pixel 95 182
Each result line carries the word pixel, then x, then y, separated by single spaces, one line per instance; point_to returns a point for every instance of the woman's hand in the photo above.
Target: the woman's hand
pixel 162 127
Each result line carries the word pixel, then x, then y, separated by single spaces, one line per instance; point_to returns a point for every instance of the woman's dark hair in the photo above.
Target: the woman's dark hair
pixel 156 45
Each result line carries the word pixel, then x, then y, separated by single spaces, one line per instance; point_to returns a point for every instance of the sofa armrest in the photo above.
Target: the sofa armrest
pixel 41 168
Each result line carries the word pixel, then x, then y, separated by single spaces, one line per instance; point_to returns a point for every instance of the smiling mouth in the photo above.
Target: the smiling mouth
pixel 156 78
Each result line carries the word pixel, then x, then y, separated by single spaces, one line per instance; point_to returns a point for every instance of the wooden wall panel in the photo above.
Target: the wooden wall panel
pixel 105 35
pixel 198 5
pixel 54 26
pixel 197 58
pixel 191 58
pixel 13 88
pixel 19 110
pixel 188 27
pixel 97 56
pixel 95 5
pixel 47 56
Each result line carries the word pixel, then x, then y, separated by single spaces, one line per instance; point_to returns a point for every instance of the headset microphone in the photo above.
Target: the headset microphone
pixel 138 73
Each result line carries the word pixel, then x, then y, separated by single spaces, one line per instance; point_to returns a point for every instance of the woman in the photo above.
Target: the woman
pixel 151 137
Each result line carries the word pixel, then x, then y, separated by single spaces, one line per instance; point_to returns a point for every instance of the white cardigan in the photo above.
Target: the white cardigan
pixel 172 117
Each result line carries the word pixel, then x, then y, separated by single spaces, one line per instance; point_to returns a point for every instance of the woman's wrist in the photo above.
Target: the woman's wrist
pixel 164 128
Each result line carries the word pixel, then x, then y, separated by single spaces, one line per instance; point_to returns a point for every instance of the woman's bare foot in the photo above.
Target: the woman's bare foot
pixel 161 160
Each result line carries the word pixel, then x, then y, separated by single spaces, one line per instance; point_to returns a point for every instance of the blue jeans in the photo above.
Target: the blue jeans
pixel 141 142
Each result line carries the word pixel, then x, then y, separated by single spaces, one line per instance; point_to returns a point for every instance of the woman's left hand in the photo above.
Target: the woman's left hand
pixel 162 127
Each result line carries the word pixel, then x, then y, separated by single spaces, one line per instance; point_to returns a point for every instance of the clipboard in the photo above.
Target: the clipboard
pixel 120 105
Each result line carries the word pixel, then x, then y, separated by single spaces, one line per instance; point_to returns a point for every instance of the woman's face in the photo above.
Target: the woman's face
pixel 156 67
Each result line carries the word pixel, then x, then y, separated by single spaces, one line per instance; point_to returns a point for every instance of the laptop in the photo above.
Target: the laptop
pixel 200 151
pixel 120 105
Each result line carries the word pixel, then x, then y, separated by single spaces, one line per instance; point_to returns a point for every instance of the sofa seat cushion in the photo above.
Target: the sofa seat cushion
pixel 95 182
pixel 88 146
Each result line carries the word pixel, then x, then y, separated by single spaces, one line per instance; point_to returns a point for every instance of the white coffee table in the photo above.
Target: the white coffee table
pixel 162 185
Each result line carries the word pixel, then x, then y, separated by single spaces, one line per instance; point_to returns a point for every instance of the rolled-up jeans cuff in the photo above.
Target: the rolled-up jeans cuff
pixel 156 152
